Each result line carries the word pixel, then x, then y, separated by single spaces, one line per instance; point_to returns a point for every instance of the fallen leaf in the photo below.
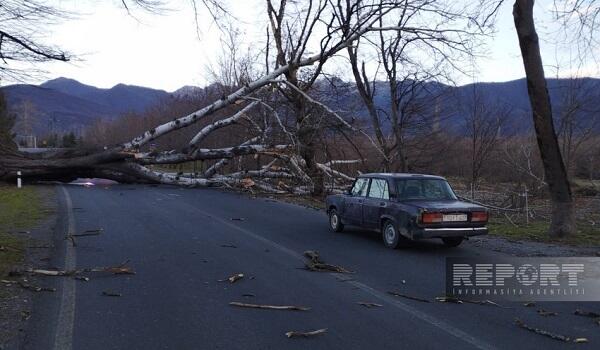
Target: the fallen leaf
pixel 247 182
pixel 292 334
pixel 270 307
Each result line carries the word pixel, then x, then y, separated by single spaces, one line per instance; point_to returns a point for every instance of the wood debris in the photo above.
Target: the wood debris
pixel 486 302
pixel 592 314
pixel 292 334
pixel 233 278
pixel 449 299
pixel 398 294
pixel 270 307
pixel 315 264
pixel 117 270
pixel 368 304
pixel 554 336
pixel 33 288
pixel 546 313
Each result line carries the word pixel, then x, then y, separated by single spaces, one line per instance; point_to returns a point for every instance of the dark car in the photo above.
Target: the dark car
pixel 406 207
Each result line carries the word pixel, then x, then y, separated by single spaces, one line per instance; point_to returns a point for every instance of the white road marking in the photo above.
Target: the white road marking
pixel 427 318
pixel 66 317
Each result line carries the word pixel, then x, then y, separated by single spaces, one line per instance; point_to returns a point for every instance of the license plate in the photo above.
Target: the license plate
pixel 455 217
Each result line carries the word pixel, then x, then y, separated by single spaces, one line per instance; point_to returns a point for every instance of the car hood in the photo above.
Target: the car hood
pixel 444 205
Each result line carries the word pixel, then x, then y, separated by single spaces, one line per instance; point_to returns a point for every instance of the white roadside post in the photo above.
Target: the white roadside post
pixel 18 179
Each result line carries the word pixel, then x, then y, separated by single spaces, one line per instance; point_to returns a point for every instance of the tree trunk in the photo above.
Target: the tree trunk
pixel 563 216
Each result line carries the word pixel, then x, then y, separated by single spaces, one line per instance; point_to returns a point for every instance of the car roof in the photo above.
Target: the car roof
pixel 403 176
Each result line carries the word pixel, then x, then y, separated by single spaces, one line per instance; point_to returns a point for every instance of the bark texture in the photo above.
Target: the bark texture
pixel 563 217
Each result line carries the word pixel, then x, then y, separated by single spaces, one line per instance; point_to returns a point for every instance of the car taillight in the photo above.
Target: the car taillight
pixel 479 216
pixel 430 218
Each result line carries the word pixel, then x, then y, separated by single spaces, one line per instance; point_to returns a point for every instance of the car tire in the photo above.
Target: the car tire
pixel 390 235
pixel 452 241
pixel 335 222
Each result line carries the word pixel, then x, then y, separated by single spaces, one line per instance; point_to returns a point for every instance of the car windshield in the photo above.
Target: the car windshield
pixel 430 189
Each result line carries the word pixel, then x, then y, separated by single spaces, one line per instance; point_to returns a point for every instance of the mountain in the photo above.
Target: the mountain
pixel 61 105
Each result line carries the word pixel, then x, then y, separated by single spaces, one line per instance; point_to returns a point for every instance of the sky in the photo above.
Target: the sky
pixel 166 51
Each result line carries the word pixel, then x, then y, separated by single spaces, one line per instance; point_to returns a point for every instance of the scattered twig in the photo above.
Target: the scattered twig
pixel 36 288
pixel 248 295
pixel 238 219
pixel 82 278
pixel 546 313
pixel 448 299
pixel 485 302
pixel 292 334
pixel 111 294
pixel 233 278
pixel 529 304
pixel 397 294
pixel 554 336
pixel 368 304
pixel 315 264
pixel 228 246
pixel 117 270
pixel 270 307
pixel 592 314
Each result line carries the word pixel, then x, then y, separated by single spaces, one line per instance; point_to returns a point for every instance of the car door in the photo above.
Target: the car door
pixel 377 199
pixel 353 213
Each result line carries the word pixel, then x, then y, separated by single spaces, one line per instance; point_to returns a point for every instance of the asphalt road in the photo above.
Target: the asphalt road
pixel 181 242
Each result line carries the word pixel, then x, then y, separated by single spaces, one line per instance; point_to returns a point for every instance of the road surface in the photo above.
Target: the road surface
pixel 181 242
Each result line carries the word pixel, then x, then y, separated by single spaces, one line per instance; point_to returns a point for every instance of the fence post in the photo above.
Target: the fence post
pixel 19 179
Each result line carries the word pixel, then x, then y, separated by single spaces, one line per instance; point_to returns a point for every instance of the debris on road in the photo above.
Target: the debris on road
pixel 270 307
pixel 33 288
pixel 117 270
pixel 592 314
pixel 233 279
pixel 368 304
pixel 529 304
pixel 86 233
pixel 111 294
pixel 554 336
pixel 449 299
pixel 238 219
pixel 315 264
pixel 546 313
pixel 82 278
pixel 486 302
pixel 580 340
pixel 292 334
pixel 398 294
pixel 248 295
pixel 228 246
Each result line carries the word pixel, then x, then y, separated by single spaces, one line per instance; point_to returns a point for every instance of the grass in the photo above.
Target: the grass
pixel 586 236
pixel 19 209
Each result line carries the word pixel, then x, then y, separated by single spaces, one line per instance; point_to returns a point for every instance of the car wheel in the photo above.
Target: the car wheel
pixel 391 236
pixel 335 223
pixel 452 241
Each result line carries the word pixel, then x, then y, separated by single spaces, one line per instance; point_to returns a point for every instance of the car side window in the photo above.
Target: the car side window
pixel 379 189
pixel 360 187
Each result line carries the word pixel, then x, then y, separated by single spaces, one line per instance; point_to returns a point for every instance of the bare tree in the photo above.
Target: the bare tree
pixel 563 216
pixel 483 124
